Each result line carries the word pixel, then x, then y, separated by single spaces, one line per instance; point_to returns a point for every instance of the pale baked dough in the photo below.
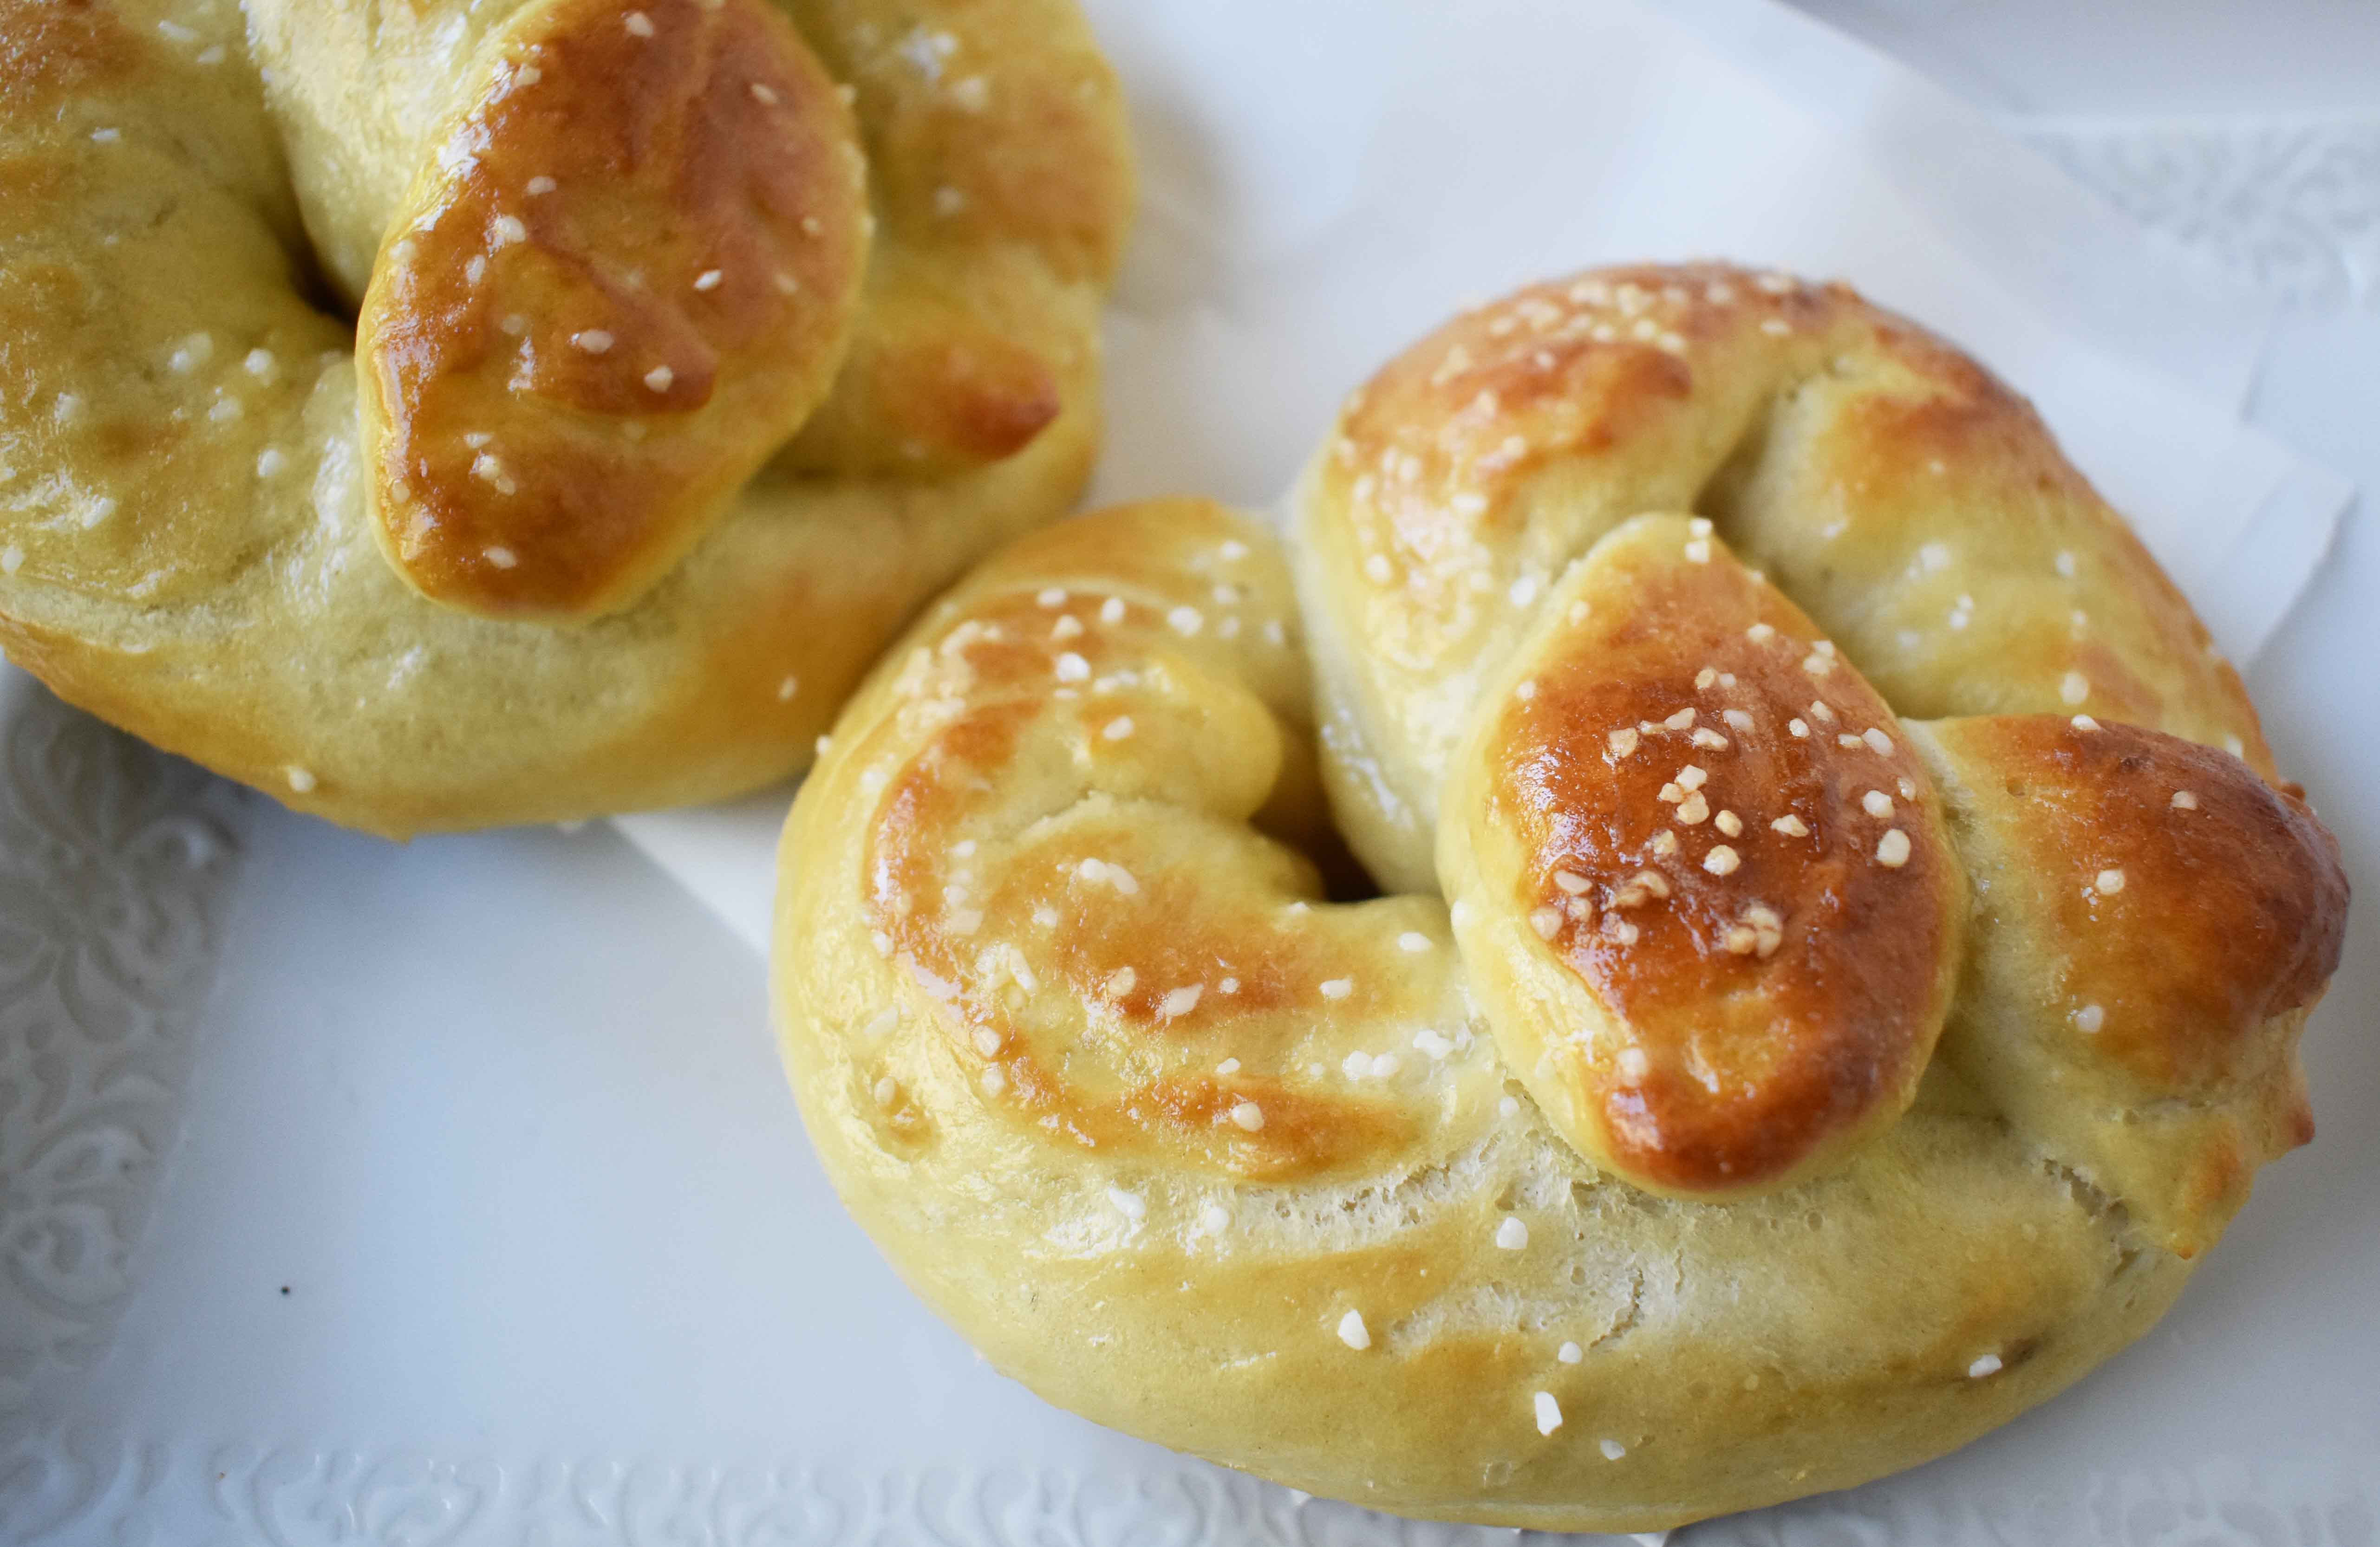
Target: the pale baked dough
pixel 1634 1188
pixel 699 342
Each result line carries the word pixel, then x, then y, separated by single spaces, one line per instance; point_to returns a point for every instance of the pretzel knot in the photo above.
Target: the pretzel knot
pixel 1800 1035
pixel 694 343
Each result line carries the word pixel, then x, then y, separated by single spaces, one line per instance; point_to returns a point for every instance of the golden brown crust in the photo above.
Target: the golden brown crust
pixel 926 389
pixel 629 278
pixel 1033 956
pixel 47 49
pixel 2153 922
pixel 2194 901
pixel 199 558
pixel 1044 859
pixel 1915 507
pixel 1718 828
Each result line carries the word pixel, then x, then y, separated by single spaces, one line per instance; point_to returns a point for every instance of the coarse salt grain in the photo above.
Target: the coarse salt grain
pixel 1338 988
pixel 1549 1416
pixel 1352 1332
pixel 1892 848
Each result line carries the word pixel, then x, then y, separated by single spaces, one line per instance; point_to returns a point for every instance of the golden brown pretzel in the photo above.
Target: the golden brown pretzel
pixel 1627 1184
pixel 697 341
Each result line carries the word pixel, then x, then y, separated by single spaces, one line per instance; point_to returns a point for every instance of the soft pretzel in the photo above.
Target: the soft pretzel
pixel 1626 1189
pixel 696 343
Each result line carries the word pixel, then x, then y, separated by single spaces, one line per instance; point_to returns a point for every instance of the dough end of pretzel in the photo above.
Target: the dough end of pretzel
pixel 1713 913
pixel 2153 922
pixel 628 276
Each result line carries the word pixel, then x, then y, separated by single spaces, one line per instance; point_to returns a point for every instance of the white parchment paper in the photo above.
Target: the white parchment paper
pixel 1324 181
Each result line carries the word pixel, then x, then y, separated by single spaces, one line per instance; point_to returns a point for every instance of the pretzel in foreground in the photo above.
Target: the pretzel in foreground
pixel 1777 1093
pixel 695 342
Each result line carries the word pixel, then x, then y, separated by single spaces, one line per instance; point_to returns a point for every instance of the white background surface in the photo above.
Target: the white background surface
pixel 499 1113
